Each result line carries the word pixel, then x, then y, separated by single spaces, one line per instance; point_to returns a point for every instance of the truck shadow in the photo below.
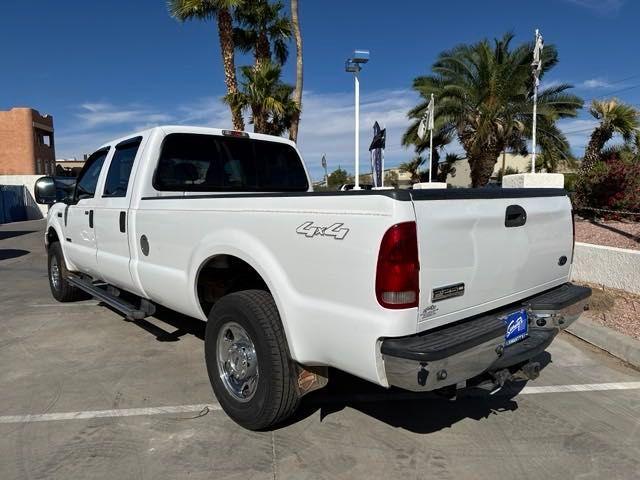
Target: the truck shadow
pixel 14 233
pixel 9 253
pixel 416 412
pixel 183 325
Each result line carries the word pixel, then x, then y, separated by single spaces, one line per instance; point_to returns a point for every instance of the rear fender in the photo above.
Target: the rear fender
pixel 248 249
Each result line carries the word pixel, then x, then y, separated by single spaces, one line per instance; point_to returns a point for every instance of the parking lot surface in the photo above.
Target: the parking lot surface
pixel 86 394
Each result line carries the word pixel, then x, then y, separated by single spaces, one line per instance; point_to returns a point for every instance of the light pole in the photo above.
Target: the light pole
pixel 353 65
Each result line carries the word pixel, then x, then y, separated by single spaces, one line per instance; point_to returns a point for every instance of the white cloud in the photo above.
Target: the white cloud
pixel 595 83
pixel 603 7
pixel 95 114
pixel 326 127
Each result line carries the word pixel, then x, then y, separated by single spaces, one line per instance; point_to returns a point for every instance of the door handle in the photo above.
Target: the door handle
pixel 515 216
pixel 123 222
pixel 90 218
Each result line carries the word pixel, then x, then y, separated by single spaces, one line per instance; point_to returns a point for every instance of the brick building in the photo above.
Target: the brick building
pixel 26 143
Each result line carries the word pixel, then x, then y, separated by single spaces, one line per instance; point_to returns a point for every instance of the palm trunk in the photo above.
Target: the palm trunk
pixel 263 51
pixel 482 158
pixel 297 94
pixel 599 137
pixel 225 32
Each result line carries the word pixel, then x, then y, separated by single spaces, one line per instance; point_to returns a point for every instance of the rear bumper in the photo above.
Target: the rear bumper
pixel 456 353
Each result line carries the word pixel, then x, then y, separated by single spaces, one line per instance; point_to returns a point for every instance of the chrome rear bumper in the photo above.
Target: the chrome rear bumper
pixel 453 354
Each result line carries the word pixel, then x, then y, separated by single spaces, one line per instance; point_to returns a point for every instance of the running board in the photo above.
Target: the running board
pixel 127 309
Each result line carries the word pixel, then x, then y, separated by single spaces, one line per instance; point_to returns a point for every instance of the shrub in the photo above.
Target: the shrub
pixel 613 183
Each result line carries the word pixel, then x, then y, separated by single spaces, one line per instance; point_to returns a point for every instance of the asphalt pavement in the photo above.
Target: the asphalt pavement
pixel 86 394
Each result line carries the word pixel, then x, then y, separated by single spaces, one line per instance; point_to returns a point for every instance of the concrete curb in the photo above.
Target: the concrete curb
pixel 621 346
pixel 610 266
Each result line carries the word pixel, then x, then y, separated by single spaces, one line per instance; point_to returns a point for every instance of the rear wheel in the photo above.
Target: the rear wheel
pixel 248 360
pixel 60 288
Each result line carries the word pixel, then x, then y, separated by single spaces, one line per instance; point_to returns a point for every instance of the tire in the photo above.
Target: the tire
pixel 60 288
pixel 268 397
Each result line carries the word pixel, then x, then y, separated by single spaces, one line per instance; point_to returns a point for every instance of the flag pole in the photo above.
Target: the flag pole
pixel 537 67
pixel 535 121
pixel 431 115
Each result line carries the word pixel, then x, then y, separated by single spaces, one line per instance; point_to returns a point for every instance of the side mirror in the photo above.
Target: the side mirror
pixel 45 190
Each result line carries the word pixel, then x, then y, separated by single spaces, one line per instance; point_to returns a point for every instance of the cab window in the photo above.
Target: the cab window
pixel 200 163
pixel 88 178
pixel 120 168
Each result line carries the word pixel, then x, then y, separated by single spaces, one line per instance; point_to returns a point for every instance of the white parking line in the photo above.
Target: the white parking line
pixel 590 387
pixel 131 412
pixel 119 412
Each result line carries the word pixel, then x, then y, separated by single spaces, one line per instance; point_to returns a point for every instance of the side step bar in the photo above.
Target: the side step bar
pixel 127 309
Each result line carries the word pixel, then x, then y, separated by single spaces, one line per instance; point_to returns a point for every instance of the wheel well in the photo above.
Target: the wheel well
pixel 52 236
pixel 224 274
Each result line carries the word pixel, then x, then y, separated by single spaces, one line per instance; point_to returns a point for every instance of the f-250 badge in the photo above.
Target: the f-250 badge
pixel 310 230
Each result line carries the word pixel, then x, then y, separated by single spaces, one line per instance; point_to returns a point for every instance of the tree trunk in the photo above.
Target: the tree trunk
pixel 259 119
pixel 482 158
pixel 263 50
pixel 225 32
pixel 599 137
pixel 297 93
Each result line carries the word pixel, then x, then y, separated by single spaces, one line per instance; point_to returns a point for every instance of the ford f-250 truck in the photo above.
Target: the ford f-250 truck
pixel 423 290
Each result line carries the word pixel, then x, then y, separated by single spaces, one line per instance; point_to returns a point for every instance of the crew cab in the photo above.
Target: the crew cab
pixel 419 289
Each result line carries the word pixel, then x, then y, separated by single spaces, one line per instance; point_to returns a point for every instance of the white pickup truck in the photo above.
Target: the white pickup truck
pixel 423 290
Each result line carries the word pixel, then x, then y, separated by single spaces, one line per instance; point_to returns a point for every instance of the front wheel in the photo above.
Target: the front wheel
pixel 61 289
pixel 248 360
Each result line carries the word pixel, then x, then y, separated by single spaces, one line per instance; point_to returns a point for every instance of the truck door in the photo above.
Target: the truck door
pixel 80 242
pixel 112 216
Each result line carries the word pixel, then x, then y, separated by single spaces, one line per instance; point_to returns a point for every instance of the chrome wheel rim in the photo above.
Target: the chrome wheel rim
pixel 237 362
pixel 54 270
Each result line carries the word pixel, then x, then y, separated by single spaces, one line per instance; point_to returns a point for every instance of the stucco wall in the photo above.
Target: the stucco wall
pixel 608 266
pixel 34 210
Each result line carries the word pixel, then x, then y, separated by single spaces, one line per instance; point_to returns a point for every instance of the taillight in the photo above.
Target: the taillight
pixel 398 267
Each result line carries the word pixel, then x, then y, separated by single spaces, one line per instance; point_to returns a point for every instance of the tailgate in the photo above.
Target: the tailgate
pixel 471 261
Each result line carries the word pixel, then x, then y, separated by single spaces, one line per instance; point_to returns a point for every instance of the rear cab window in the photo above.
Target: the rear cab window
pixel 205 163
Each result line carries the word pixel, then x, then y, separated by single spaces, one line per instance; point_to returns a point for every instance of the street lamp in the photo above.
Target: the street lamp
pixel 354 65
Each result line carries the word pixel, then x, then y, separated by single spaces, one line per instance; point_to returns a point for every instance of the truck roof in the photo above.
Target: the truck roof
pixel 167 129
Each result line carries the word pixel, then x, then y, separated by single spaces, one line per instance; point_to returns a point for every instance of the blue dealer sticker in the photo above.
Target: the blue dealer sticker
pixel 517 327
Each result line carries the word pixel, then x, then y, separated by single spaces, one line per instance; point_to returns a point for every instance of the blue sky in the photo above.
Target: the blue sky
pixel 103 69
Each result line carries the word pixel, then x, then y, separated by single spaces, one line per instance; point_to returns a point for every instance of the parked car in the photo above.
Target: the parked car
pixel 350 186
pixel 421 289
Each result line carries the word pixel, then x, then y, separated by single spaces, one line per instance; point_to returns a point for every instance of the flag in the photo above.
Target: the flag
pixel 537 51
pixel 426 123
pixel 377 153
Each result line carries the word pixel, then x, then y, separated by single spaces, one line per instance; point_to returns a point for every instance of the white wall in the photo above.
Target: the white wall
pixel 609 266
pixel 30 203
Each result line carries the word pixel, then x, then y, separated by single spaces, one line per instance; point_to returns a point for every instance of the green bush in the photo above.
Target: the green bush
pixel 614 184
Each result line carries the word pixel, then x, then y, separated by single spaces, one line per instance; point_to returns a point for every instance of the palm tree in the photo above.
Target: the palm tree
pixel 447 167
pixel 614 117
pixel 484 97
pixel 297 94
pixel 262 27
pixel 412 167
pixel 268 98
pixel 220 10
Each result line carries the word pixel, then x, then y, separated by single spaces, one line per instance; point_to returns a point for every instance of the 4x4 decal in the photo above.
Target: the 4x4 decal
pixel 336 231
